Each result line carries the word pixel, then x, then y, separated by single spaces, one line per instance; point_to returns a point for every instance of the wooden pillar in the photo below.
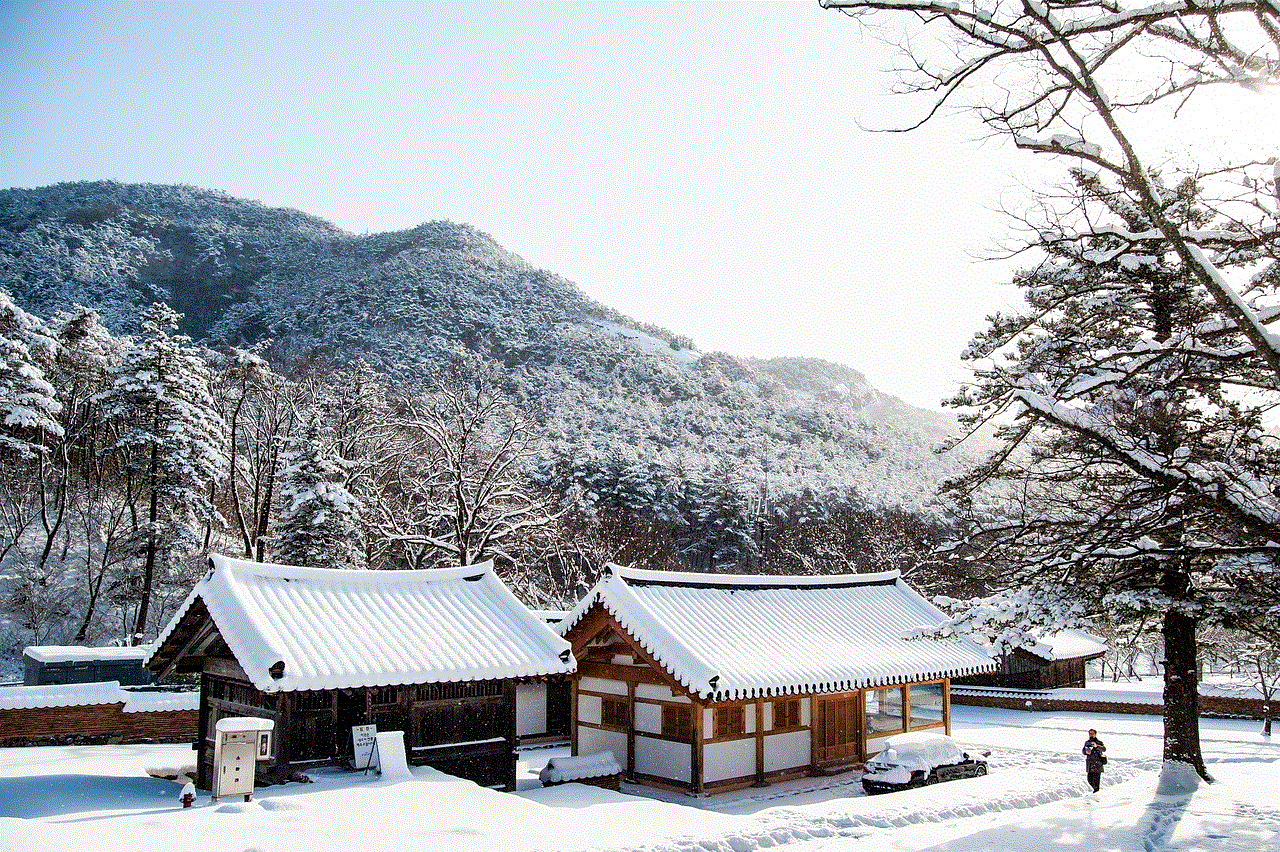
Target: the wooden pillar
pixel 573 717
pixel 204 734
pixel 695 753
pixel 631 730
pixel 760 782
pixel 509 699
pixel 946 706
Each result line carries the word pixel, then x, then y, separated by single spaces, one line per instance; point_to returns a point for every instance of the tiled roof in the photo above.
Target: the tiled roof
pixel 61 695
pixel 335 629
pixel 95 692
pixel 731 636
pixel 1067 644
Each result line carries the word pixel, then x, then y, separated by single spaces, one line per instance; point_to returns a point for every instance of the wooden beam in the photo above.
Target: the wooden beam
pixel 199 639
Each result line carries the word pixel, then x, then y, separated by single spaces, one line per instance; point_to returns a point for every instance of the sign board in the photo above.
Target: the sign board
pixel 362 743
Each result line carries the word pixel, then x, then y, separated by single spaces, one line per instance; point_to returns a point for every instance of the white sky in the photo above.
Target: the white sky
pixel 697 166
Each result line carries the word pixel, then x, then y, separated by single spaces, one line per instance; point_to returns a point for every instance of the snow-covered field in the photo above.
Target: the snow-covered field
pixel 101 798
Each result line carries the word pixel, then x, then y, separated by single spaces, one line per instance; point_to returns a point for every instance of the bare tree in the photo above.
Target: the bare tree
pixel 465 495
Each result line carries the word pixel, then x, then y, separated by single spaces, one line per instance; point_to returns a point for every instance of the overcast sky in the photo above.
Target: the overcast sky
pixel 697 166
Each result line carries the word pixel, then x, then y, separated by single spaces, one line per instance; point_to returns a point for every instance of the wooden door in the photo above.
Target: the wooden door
pixel 837 729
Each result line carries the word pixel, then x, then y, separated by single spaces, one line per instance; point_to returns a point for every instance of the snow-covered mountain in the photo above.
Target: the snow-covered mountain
pixel 609 389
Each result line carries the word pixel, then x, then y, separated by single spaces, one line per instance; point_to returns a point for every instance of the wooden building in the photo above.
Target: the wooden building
pixel 44 665
pixel 1056 659
pixel 437 654
pixel 702 682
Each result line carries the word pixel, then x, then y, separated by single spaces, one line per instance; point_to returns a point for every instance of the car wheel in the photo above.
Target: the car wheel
pixel 932 779
pixel 981 769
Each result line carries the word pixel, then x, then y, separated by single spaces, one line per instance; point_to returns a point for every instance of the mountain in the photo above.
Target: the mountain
pixel 609 390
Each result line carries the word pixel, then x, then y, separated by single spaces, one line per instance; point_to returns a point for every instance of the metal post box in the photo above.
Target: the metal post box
pixel 240 743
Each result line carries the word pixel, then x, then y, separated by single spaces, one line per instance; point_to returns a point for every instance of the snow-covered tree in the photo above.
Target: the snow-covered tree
pixel 468 493
pixel 1141 369
pixel 320 520
pixel 28 405
pixel 169 436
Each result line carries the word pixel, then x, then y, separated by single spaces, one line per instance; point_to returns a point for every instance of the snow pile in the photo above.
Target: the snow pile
pixel 562 769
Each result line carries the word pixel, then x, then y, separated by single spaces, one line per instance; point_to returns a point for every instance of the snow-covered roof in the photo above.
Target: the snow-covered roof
pixel 733 636
pixel 97 692
pixel 1067 644
pixel 335 629
pixel 79 654
pixel 61 695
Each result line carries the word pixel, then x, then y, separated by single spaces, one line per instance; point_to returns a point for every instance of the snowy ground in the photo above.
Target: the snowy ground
pixel 101 798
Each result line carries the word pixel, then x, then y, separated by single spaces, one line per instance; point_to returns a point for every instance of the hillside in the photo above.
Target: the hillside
pixel 607 387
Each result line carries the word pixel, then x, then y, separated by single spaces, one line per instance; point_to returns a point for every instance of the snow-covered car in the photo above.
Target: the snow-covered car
pixel 914 760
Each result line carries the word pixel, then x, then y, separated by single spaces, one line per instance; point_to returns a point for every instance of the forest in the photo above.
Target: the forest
pixel 507 419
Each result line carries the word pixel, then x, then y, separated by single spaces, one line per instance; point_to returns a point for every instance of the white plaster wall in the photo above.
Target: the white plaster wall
pixel 595 740
pixel 595 684
pixel 786 751
pixel 729 759
pixel 662 758
pixel 648 717
pixel 589 709
pixel 531 708
pixel 659 692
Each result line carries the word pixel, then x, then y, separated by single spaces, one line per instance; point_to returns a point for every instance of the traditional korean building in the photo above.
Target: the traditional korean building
pixel 707 682
pixel 437 654
pixel 1056 659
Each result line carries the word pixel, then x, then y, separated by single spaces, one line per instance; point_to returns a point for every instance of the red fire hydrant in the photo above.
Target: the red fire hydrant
pixel 188 795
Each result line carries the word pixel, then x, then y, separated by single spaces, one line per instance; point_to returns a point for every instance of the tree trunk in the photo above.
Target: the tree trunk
pixel 1182 693
pixel 149 568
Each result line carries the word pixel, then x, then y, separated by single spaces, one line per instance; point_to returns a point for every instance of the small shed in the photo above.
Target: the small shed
pixel 708 682
pixel 1056 659
pixel 44 665
pixel 435 653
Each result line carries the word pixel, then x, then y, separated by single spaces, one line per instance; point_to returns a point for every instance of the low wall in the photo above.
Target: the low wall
pixel 95 722
pixel 93 713
pixel 1210 705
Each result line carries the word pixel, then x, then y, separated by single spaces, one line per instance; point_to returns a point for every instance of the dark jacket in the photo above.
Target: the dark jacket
pixel 1094 754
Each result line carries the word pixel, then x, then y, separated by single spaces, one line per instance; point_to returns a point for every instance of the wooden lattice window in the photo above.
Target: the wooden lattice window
pixel 613 713
pixel 677 722
pixel 730 721
pixel 786 714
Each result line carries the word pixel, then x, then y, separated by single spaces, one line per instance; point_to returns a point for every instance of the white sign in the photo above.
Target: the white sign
pixel 362 740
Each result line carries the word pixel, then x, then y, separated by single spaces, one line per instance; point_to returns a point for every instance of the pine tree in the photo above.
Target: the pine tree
pixel 29 408
pixel 319 518
pixel 170 438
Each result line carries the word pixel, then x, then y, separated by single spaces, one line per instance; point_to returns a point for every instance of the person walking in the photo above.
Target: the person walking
pixel 1095 757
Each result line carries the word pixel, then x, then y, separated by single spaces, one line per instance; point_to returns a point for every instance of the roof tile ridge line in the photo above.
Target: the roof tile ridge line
pixel 664 633
pixel 692 578
pixel 929 606
pixel 234 589
pixel 282 571
pixel 552 641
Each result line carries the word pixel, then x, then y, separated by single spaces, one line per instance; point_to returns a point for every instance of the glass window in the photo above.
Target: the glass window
pixel 926 705
pixel 884 711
